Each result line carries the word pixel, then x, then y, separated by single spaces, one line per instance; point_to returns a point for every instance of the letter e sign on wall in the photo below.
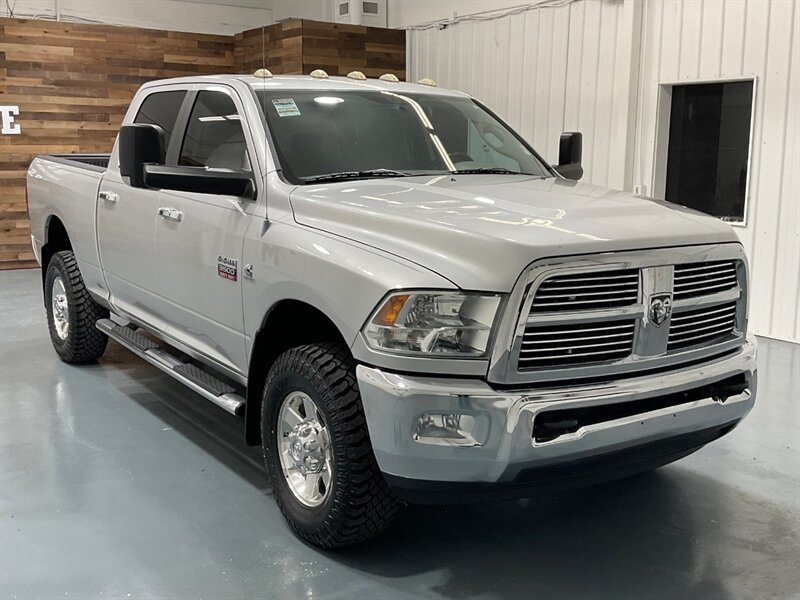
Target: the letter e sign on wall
pixel 7 114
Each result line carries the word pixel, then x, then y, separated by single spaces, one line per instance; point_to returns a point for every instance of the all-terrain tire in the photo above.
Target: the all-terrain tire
pixel 83 342
pixel 359 504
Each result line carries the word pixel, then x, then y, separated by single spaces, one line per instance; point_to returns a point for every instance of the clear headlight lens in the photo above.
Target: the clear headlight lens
pixel 434 323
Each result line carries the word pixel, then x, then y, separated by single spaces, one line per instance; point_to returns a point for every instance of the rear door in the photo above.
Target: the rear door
pixel 126 218
pixel 199 237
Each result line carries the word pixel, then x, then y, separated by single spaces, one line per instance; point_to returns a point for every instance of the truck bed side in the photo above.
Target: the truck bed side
pixel 64 187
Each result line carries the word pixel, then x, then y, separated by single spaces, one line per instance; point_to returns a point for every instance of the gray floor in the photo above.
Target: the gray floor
pixel 115 482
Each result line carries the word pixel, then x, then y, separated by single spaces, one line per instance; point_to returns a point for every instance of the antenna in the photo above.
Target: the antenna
pixel 264 109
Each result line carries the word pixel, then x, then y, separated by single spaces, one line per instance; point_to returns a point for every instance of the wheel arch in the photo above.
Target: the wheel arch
pixel 56 239
pixel 288 323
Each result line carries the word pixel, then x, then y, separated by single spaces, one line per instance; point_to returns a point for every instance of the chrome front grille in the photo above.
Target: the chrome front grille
pixel 700 279
pixel 701 326
pixel 615 313
pixel 586 291
pixel 572 343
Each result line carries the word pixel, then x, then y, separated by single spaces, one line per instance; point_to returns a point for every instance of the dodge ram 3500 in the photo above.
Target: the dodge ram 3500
pixel 403 301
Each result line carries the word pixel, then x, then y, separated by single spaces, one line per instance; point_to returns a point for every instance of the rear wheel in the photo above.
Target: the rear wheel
pixel 71 312
pixel 317 449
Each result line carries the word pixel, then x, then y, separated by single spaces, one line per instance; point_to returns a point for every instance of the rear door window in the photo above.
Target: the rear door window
pixel 161 108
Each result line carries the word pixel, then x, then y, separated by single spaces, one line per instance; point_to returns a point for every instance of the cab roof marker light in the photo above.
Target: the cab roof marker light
pixel 427 81
pixel 356 75
pixel 263 74
pixel 318 74
pixel 389 77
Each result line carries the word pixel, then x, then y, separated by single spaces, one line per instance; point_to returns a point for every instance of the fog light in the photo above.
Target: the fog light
pixel 446 429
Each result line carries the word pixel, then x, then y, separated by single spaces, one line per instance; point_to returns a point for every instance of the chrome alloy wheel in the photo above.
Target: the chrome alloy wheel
pixel 305 449
pixel 60 307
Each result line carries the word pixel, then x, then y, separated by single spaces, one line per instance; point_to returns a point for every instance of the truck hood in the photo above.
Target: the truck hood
pixel 481 231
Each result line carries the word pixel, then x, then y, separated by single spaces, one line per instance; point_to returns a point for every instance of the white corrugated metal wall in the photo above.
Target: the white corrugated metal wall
pixel 544 71
pixel 729 39
pixel 596 66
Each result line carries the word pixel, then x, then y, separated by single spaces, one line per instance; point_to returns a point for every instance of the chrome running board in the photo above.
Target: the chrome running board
pixel 190 375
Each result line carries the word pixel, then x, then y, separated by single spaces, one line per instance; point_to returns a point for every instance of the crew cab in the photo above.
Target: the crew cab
pixel 397 295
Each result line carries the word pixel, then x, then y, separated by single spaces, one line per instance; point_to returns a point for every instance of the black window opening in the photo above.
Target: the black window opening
pixel 214 135
pixel 709 142
pixel 161 108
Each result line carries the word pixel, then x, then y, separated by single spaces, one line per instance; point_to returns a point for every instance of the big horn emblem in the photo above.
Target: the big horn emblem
pixel 660 309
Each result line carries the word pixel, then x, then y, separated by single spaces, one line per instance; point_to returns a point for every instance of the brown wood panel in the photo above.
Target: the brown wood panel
pixel 340 48
pixel 73 83
pixel 300 46
pixel 277 47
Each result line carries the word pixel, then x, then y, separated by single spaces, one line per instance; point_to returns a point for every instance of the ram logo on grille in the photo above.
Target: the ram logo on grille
pixel 660 309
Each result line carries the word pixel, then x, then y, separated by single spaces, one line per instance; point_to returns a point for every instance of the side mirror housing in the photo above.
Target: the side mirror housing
pixel 139 144
pixel 570 151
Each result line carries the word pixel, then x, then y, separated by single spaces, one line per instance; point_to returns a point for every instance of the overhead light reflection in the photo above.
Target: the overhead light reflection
pixel 328 100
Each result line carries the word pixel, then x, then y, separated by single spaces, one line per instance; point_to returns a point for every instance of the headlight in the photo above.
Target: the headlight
pixel 434 323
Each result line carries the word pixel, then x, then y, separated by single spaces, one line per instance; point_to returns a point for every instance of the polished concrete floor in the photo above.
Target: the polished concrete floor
pixel 115 482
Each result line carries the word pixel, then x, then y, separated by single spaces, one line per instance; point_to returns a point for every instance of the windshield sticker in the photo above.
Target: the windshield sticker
pixel 286 107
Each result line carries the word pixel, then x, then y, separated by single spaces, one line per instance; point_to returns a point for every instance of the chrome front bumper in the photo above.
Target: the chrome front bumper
pixel 498 444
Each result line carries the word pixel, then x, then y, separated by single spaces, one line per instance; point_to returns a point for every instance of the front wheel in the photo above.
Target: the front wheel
pixel 317 449
pixel 71 312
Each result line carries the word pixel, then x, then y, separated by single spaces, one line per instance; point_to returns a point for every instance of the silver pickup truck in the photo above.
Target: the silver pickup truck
pixel 401 298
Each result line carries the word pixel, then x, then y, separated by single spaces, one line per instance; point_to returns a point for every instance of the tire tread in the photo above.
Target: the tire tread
pixel 85 343
pixel 363 505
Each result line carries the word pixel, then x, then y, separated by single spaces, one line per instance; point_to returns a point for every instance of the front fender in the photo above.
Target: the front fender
pixel 342 279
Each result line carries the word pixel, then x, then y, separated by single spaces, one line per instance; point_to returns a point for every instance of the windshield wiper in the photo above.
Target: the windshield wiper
pixel 488 170
pixel 357 175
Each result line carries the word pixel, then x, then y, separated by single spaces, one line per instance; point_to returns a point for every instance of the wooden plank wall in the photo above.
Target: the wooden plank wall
pixel 340 48
pixel 301 45
pixel 73 83
pixel 282 44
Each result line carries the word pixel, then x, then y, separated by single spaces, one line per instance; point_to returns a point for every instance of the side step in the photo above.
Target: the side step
pixel 197 380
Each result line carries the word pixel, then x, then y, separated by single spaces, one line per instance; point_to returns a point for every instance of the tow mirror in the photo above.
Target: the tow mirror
pixel 142 157
pixel 570 150
pixel 139 144
pixel 201 180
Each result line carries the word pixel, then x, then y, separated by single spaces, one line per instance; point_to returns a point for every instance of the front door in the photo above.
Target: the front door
pixel 126 221
pixel 199 237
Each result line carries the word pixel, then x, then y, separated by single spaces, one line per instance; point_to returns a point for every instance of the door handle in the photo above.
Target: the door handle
pixel 172 214
pixel 108 196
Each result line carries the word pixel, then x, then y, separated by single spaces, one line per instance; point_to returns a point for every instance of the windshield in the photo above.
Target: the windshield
pixel 330 135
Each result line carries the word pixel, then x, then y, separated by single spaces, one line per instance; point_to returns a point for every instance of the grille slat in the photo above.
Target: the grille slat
pixel 633 275
pixel 611 329
pixel 711 289
pixel 722 325
pixel 702 279
pixel 691 277
pixel 573 347
pixel 554 293
pixel 581 339
pixel 683 325
pixel 701 325
pixel 727 279
pixel 599 285
pixel 571 344
pixel 693 267
pixel 587 297
pixel 587 291
pixel 695 339
pixel 690 315
pixel 604 353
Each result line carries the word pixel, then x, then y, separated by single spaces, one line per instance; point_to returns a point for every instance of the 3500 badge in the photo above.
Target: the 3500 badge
pixel 227 267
